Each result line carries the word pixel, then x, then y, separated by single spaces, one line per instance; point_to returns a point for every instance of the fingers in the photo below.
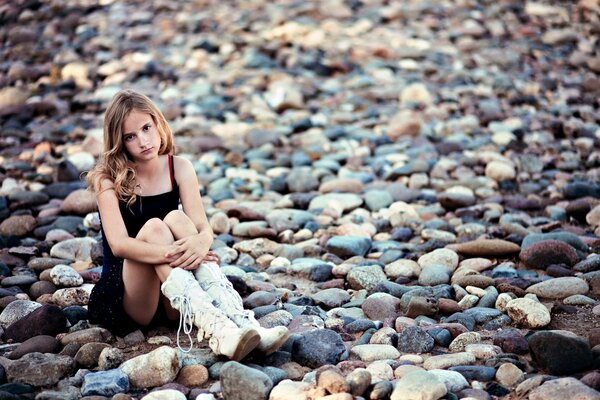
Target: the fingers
pixel 185 260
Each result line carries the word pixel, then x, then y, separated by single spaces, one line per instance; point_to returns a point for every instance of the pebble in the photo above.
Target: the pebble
pixel 414 340
pixel 319 347
pixel 453 380
pixel 528 313
pixel 559 288
pixel 419 385
pixel 156 368
pixel 241 382
pixel 40 369
pixel 509 375
pixel 366 277
pixel 448 360
pixel 487 248
pixel 105 383
pixel 560 352
pixel 541 254
pixel 563 387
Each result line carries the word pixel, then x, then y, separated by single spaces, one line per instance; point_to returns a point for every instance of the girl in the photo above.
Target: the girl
pixel 151 247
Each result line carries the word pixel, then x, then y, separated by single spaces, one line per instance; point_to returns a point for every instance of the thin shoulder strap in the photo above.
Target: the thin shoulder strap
pixel 172 171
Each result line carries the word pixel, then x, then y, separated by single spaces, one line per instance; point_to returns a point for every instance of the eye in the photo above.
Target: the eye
pixel 128 138
pixel 147 127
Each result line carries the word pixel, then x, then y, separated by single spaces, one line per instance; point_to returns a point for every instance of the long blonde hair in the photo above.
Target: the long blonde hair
pixel 115 164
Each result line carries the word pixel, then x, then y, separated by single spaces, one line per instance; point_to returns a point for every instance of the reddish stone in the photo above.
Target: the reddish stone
pixel 547 252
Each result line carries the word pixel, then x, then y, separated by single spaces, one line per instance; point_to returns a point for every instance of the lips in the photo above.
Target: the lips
pixel 147 151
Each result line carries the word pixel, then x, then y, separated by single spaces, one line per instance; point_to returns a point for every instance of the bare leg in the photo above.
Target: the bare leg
pixel 180 224
pixel 142 281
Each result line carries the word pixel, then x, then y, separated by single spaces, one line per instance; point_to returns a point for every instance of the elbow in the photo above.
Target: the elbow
pixel 116 249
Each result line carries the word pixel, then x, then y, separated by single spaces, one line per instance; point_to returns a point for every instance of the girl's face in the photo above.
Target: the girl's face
pixel 140 136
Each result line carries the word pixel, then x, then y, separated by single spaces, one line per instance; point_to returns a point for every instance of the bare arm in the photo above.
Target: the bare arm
pixel 193 248
pixel 121 244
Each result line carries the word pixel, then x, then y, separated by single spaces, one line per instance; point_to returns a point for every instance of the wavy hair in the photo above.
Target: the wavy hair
pixel 115 163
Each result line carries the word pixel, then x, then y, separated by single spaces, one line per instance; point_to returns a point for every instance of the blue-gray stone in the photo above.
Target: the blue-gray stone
pixel 331 165
pixel 105 383
pixel 588 265
pixel 359 325
pixel 60 190
pixel 75 314
pixel 293 219
pixel 567 237
pixel 17 388
pixel 4 271
pixel 475 373
pixel 414 340
pixel 218 192
pixel 497 323
pixel 348 246
pixel 441 336
pixel 317 348
pixel 301 179
pixel 557 213
pixel 488 300
pixel 395 289
pixel 214 371
pixel 464 319
pixel 378 199
pixel 300 159
pixel 389 256
pixel 504 271
pixel 278 184
pixel 261 311
pixel 320 273
pixel 434 274
pixel 390 245
pixel 483 315
pixel 28 198
pixel 443 292
pixel 68 223
pixel 365 338
pixel 276 374
pixel 576 190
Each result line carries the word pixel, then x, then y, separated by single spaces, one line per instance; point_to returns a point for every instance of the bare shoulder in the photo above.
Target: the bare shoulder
pixel 182 162
pixel 105 184
pixel 183 167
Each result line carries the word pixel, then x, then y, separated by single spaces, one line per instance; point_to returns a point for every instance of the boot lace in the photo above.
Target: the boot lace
pixel 221 281
pixel 186 319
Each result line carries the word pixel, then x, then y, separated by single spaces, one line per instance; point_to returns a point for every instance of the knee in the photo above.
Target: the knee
pixel 176 218
pixel 155 231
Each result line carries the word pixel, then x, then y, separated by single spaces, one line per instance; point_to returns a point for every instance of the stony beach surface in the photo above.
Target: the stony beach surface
pixel 411 187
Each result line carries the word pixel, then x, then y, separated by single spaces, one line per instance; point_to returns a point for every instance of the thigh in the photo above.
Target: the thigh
pixel 141 281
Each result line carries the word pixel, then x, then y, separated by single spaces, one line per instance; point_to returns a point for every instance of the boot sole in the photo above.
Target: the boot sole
pixel 248 342
pixel 275 345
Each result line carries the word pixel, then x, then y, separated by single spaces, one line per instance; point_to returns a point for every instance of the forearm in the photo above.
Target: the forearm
pixel 141 251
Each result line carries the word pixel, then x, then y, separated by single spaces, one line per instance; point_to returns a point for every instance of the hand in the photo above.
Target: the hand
pixel 188 252
pixel 211 256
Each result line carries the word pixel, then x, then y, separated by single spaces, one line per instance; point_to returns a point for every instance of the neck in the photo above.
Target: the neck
pixel 148 168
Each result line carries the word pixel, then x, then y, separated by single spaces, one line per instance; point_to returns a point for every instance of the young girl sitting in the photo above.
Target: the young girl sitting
pixel 157 258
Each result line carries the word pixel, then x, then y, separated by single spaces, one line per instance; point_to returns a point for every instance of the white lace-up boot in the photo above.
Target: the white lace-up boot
pixel 195 306
pixel 227 299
